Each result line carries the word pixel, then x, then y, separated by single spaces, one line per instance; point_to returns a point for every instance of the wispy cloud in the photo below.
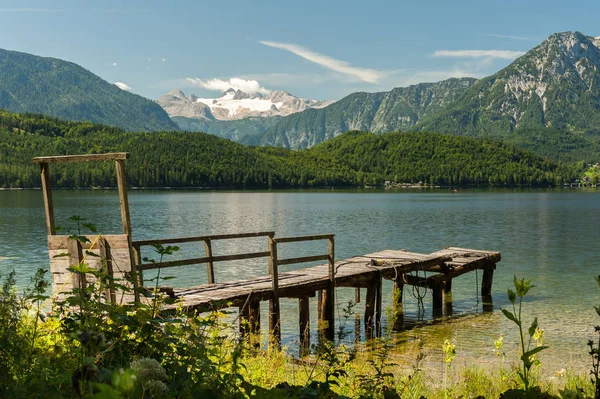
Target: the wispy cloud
pixel 501 54
pixel 123 86
pixel 114 64
pixel 343 67
pixel 247 86
pixel 522 38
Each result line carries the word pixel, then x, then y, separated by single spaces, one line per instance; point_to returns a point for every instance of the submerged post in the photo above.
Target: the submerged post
pixel 304 324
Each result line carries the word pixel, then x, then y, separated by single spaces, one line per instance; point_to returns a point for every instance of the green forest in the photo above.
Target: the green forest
pixel 183 159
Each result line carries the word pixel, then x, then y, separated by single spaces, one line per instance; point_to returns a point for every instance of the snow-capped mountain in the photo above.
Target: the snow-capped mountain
pixel 235 104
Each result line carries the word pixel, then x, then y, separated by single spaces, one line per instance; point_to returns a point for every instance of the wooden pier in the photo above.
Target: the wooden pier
pixel 123 256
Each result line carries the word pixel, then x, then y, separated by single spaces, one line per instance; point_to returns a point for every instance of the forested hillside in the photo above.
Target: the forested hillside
pixel 202 160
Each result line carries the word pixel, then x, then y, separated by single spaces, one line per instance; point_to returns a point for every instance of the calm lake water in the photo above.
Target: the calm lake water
pixel 549 236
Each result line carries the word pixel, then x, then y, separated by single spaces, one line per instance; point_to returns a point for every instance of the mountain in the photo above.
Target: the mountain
pixel 553 90
pixel 30 83
pixel 397 109
pixel 235 104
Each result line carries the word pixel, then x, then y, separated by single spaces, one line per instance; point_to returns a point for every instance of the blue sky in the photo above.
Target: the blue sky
pixel 313 49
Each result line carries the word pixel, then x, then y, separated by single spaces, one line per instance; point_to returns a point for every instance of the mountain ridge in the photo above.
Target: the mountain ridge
pixel 51 86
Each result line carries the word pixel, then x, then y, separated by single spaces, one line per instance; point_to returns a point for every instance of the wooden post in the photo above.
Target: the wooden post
pixel 329 294
pixel 75 257
pixel 378 306
pixel 210 271
pixel 488 278
pixel 126 221
pixel 304 321
pixel 47 192
pixel 274 311
pixel 244 320
pixel 357 295
pixel 137 258
pixel 370 311
pixel 437 292
pixel 254 321
pixel 448 287
pixel 105 256
pixel 448 306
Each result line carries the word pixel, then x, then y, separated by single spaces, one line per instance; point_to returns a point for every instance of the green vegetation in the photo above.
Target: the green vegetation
pixel 50 86
pixel 88 348
pixel 179 159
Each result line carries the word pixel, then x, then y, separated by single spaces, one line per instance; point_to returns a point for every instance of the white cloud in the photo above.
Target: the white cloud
pixel 502 54
pixel 247 86
pixel 529 39
pixel 114 64
pixel 123 86
pixel 362 74
pixel 164 60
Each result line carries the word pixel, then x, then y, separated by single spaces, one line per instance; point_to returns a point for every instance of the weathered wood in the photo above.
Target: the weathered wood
pixel 206 259
pixel 115 156
pixel 486 281
pixel 105 256
pixel 329 310
pixel 47 192
pixel 370 308
pixel 244 320
pixel 254 322
pixel 448 286
pixel 438 299
pixel 125 217
pixel 357 295
pixel 210 271
pixel 282 240
pixel 302 259
pixel 378 302
pixel 75 257
pixel 183 240
pixel 304 324
pixel 274 310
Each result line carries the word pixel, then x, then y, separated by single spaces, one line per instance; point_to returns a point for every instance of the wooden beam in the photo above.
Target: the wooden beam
pixel 75 257
pixel 115 156
pixel 195 261
pixel 303 259
pixel 304 238
pixel 370 311
pixel 378 302
pixel 254 321
pixel 47 192
pixel 202 238
pixel 486 281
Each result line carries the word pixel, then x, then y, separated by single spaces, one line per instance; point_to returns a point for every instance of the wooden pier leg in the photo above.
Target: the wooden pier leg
pixel 254 322
pixel 356 328
pixel 274 310
pixel 370 311
pixel 326 323
pixel 448 306
pixel 438 299
pixel 304 319
pixel 75 257
pixel 378 306
pixel 244 320
pixel 397 303
pixel 448 287
pixel 486 281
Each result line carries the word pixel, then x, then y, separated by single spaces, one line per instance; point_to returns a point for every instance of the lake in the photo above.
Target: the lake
pixel 550 236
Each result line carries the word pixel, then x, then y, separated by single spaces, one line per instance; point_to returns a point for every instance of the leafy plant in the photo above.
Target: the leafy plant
pixel 527 358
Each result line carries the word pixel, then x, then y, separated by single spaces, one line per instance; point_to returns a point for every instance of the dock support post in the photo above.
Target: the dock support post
pixel 488 278
pixel 274 311
pixel 378 306
pixel 370 310
pixel 304 321
pixel 45 172
pixel 254 322
pixel 244 320
pixel 397 304
pixel 448 286
pixel 75 257
pixel 329 294
pixel 438 298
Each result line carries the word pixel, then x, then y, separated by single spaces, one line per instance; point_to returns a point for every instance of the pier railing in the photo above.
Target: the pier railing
pixel 209 259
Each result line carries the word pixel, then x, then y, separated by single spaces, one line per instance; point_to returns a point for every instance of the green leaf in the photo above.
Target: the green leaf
pixel 597 309
pixel 512 297
pixel 511 316
pixel 533 327
pixel 76 218
pixel 61 255
pixel 90 226
pixel 89 253
pixel 527 355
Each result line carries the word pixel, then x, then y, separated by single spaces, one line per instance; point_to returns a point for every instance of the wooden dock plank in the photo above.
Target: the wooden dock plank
pixel 354 272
